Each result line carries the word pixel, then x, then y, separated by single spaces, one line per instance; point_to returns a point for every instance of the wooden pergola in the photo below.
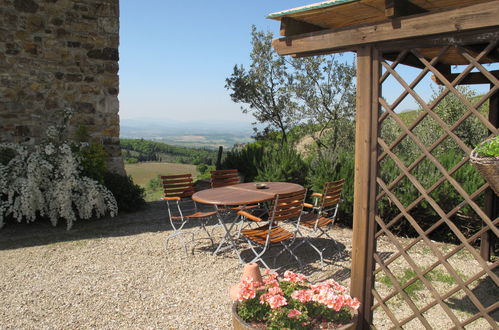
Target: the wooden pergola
pixel 456 42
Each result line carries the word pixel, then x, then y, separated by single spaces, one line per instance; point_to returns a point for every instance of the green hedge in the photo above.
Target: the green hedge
pixel 129 196
pixel 285 164
pixel 245 160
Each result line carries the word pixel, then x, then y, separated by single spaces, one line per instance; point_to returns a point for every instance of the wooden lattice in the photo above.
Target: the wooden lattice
pixel 417 312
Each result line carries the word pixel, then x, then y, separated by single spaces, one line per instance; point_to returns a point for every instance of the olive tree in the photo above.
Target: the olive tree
pixel 325 88
pixel 264 88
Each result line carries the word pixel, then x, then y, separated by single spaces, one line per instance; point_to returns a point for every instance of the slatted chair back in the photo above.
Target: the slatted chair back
pixel 177 186
pixel 323 216
pixel 222 178
pixel 287 206
pixel 331 195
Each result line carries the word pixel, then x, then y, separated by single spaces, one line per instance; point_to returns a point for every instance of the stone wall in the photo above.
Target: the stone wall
pixel 56 54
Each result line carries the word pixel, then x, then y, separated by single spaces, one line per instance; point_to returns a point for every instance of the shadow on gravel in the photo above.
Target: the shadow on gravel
pixel 486 291
pixel 285 261
pixel 154 218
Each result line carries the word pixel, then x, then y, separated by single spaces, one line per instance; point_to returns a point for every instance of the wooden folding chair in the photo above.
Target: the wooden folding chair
pixel 222 178
pixel 181 209
pixel 322 214
pixel 285 207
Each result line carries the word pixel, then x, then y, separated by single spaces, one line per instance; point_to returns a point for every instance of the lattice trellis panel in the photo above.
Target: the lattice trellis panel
pixel 427 189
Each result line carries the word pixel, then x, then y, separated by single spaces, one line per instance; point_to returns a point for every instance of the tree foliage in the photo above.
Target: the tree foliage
pixel 264 87
pixel 325 87
pixel 282 164
pixel 317 93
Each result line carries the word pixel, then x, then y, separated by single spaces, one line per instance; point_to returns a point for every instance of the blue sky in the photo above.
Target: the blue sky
pixel 175 55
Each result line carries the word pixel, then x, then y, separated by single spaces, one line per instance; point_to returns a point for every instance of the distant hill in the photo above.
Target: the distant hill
pixel 195 133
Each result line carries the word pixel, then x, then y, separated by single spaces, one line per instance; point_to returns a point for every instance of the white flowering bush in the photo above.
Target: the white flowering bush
pixel 45 181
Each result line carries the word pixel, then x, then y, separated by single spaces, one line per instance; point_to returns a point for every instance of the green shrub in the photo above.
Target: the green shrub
pixel 6 155
pixel 154 189
pixel 131 160
pixel 93 161
pixel 129 196
pixel 334 168
pixel 204 171
pixel 245 160
pixel 285 165
pixel 445 195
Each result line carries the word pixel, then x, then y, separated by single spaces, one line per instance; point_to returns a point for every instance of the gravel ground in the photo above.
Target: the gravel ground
pixel 116 273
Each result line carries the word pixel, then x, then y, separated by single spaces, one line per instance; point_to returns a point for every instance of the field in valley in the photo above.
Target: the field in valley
pixel 143 173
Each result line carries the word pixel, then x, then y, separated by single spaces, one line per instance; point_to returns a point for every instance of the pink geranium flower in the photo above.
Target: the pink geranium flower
pixel 294 290
pixel 303 295
pixel 275 290
pixel 294 313
pixel 277 301
pixel 294 277
pixel 246 289
pixel 271 278
pixel 336 286
pixel 352 302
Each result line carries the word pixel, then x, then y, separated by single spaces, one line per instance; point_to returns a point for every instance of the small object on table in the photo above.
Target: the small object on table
pixel 260 186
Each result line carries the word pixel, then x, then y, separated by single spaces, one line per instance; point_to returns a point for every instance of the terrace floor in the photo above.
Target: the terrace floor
pixel 116 273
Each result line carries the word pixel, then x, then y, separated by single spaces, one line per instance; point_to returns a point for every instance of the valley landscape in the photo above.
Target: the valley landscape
pixel 197 134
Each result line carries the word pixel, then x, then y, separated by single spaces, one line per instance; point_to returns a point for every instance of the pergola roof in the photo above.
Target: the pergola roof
pixel 342 25
pixel 342 13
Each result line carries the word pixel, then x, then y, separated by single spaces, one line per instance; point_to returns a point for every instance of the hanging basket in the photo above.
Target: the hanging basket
pixel 488 168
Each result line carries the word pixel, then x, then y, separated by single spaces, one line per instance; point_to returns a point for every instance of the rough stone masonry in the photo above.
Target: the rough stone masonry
pixel 56 54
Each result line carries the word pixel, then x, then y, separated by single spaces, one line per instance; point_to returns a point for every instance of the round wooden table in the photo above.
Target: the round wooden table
pixel 244 193
pixel 239 195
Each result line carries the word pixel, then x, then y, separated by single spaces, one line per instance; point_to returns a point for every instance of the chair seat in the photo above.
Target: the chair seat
pixel 311 223
pixel 238 208
pixel 201 214
pixel 259 235
pixel 195 215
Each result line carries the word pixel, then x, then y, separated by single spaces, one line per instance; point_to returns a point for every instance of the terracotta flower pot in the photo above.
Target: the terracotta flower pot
pixel 251 270
pixel 239 324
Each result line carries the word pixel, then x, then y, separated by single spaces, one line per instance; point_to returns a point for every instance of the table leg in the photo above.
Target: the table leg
pixel 227 238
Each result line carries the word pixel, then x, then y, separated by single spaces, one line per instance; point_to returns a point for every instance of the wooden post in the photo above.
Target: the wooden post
pixel 219 157
pixel 366 132
pixel 487 240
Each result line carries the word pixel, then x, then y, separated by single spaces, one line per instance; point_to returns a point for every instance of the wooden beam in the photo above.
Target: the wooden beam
pixel 413 61
pixel 399 8
pixel 471 37
pixel 410 59
pixel 364 208
pixel 493 56
pixel 472 78
pixel 291 27
pixel 449 21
